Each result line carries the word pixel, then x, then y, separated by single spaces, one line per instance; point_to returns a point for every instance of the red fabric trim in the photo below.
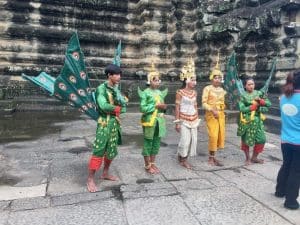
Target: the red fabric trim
pixel 262 102
pixel 95 163
pixel 188 117
pixel 117 110
pixel 107 161
pixel 253 107
pixel 244 147
pixel 258 148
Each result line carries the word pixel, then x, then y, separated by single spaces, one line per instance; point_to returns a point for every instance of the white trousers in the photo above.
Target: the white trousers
pixel 187 145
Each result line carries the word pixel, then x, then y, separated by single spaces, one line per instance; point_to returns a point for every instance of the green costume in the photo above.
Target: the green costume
pixel 72 86
pixel 251 127
pixel 108 134
pixel 152 120
pixel 104 106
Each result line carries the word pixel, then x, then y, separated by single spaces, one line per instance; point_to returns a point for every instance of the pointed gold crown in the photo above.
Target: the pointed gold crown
pixel 152 73
pixel 188 70
pixel 216 71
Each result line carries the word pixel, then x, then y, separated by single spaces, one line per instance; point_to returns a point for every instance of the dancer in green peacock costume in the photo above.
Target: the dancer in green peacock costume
pixel 104 105
pixel 252 104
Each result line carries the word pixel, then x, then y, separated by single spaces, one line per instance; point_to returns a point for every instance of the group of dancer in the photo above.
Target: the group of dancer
pixel 107 104
pixel 252 105
pixel 152 105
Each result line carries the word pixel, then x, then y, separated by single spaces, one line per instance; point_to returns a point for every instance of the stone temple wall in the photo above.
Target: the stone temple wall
pixel 34 34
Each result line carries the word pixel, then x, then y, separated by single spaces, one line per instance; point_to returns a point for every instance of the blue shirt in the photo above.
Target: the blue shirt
pixel 290 117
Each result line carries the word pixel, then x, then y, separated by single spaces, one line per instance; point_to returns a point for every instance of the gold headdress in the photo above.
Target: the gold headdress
pixel 152 73
pixel 216 71
pixel 188 70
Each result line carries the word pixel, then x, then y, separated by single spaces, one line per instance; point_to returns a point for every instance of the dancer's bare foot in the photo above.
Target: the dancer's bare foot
pixel 256 160
pixel 91 186
pixel 185 164
pixel 154 167
pixel 217 162
pixel 211 161
pixel 108 177
pixel 247 162
pixel 150 170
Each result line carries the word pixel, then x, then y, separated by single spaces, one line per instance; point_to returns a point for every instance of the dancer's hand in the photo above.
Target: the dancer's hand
pixel 262 102
pixel 198 129
pixel 215 113
pixel 253 107
pixel 117 111
pixel 177 127
pixel 161 106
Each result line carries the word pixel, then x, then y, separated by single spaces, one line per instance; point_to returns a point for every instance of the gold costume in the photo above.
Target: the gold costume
pixel 213 98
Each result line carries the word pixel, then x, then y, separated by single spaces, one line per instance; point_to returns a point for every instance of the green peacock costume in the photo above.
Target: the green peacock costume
pixel 250 125
pixel 104 105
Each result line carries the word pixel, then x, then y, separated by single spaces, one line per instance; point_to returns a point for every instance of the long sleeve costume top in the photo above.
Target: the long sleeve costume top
pixel 152 116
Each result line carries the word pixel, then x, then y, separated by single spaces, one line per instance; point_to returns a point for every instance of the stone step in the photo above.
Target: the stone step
pixel 32 103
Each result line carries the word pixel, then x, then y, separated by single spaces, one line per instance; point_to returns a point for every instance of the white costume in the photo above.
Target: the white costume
pixel 188 116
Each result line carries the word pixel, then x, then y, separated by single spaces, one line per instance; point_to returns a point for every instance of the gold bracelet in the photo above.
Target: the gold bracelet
pixel 177 121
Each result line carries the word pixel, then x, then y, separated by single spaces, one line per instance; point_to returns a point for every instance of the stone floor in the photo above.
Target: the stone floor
pixel 43 181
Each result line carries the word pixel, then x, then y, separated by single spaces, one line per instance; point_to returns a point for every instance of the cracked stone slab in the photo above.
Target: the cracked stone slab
pixel 76 129
pixel 223 205
pixel 27 145
pixel 130 169
pixel 214 179
pixel 269 170
pixel 91 213
pixel 80 197
pixel 69 175
pixel 230 156
pixel 271 154
pixel 24 168
pixel 148 190
pixel 4 204
pixel 4 218
pixel 66 145
pixel 194 184
pixel 30 203
pixel 165 210
pixel 171 169
pixel 260 189
pixel 150 186
pixel 10 193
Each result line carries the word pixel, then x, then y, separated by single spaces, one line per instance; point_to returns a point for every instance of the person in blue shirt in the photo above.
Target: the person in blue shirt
pixel 288 179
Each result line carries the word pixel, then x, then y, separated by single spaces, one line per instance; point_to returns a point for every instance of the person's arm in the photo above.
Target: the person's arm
pixel 196 105
pixel 122 100
pixel 103 102
pixel 245 107
pixel 146 106
pixel 177 106
pixel 177 111
pixel 205 104
pixel 264 103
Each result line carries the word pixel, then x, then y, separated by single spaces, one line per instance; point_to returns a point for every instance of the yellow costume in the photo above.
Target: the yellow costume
pixel 213 98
